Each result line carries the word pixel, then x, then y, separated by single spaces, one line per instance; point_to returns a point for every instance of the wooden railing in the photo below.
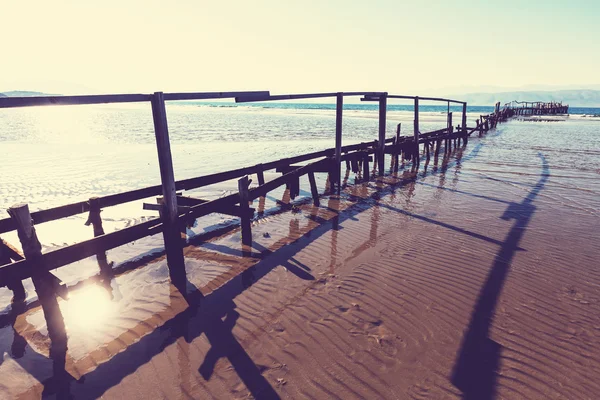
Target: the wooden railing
pixel 176 210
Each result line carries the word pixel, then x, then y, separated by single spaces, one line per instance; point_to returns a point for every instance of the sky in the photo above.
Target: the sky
pixel 408 47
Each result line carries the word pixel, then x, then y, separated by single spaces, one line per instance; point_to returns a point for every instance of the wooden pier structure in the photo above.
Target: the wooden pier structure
pixel 537 108
pixel 175 209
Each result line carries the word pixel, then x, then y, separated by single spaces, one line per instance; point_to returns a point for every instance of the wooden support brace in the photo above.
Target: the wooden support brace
pixel 7 254
pixel 44 282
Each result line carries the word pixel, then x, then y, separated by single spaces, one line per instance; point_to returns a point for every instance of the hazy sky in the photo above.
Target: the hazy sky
pixel 296 46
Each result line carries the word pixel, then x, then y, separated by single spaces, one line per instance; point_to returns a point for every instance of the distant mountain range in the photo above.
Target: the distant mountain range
pixel 572 97
pixel 23 93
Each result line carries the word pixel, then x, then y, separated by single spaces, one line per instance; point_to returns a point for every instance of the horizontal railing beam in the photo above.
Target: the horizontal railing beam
pixel 300 96
pixel 213 95
pixel 11 102
pixel 58 258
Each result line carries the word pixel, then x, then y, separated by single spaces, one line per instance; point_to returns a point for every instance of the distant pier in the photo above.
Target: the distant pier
pixel 536 108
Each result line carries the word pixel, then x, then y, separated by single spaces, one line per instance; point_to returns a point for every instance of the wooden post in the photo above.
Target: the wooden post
pixel 339 109
pixel 171 235
pixel 313 188
pixel 43 281
pixel 381 141
pixel 416 133
pixel 366 167
pixel 464 118
pixel 260 175
pixel 243 184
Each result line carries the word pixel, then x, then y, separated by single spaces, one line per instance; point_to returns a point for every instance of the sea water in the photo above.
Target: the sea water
pixel 57 155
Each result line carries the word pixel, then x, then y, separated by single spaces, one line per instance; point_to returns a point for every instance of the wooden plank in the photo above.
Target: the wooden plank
pixel 12 102
pixel 212 95
pixel 172 237
pixel 245 99
pixel 8 253
pixel 233 210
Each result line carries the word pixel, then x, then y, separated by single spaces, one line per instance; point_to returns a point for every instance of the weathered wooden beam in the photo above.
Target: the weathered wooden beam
pixel 7 254
pixel 416 133
pixel 66 255
pixel 464 117
pixel 260 175
pixel 172 237
pixel 381 140
pixel 313 188
pixel 339 110
pixel 245 219
pixel 11 102
pixel 43 281
pixel 366 159
pixel 233 210
pixel 213 95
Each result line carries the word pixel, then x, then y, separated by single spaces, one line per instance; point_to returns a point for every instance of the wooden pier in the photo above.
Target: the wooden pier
pixel 175 210
pixel 537 108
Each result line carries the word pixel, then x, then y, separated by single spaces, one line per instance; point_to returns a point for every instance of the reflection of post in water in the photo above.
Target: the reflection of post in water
pixel 459 154
pixel 478 360
pixel 261 206
pixel 94 219
pixel 294 229
pixel 346 177
pixel 285 198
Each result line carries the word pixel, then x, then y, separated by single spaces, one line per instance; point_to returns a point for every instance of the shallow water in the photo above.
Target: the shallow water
pixel 57 155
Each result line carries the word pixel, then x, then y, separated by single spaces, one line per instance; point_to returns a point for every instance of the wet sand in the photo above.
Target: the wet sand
pixel 477 278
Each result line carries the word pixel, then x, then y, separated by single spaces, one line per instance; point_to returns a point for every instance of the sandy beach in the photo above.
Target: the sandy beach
pixel 476 278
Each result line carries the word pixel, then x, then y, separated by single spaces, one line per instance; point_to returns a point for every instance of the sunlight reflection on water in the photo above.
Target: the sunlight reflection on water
pixel 88 309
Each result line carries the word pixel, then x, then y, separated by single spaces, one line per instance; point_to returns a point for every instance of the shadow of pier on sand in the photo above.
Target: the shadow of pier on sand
pixel 475 370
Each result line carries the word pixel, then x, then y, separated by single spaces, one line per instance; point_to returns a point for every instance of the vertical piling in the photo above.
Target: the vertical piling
pixel 416 133
pixel 313 188
pixel 44 282
pixel 339 109
pixel 381 140
pixel 172 237
pixel 246 223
